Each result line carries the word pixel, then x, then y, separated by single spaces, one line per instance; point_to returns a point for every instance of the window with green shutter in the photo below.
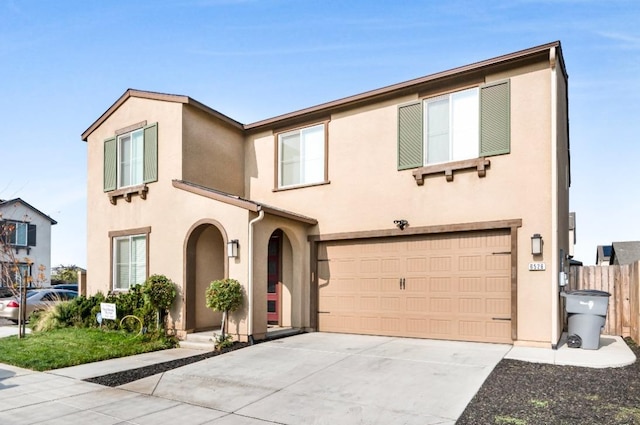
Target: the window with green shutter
pixel 459 126
pixel 410 136
pixel 494 119
pixel 131 158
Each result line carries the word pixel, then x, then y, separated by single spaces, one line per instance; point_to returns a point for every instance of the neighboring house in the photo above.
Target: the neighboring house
pixel 624 253
pixel 27 231
pixel 603 255
pixel 408 210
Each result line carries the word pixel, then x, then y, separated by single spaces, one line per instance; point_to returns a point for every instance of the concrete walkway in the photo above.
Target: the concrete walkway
pixel 314 378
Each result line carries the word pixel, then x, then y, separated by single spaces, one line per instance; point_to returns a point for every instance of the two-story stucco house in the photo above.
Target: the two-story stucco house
pixel 409 210
pixel 26 232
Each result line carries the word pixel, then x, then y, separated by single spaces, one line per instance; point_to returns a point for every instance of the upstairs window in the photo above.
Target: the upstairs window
pixel 301 157
pixel 451 131
pixel 131 158
pixel 463 125
pixel 17 233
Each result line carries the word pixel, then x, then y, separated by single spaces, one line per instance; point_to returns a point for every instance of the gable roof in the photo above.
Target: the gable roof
pixel 26 204
pixel 324 109
pixel 625 252
pixel 157 96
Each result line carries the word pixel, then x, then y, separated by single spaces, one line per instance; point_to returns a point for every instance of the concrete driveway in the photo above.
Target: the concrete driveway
pixel 321 378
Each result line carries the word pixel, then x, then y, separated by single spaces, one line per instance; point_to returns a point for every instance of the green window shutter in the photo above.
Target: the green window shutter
pixel 410 136
pixel 495 128
pixel 110 164
pixel 150 153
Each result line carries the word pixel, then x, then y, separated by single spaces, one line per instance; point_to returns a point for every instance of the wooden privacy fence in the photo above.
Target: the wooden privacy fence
pixel 623 283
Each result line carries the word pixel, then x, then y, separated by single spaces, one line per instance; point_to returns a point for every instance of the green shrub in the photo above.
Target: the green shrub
pixel 160 290
pixel 224 295
pixel 82 311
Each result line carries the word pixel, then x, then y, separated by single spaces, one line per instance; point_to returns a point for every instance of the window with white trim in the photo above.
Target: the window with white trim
pixel 129 261
pixel 301 156
pixel 18 233
pixel 458 126
pixel 451 131
pixel 130 158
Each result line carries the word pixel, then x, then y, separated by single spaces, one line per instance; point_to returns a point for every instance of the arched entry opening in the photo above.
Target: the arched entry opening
pixel 205 261
pixel 279 279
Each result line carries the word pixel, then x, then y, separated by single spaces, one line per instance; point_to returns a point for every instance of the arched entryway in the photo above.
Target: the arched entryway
pixel 205 261
pixel 279 279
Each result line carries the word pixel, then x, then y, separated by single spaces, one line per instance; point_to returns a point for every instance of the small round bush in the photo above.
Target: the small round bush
pixel 160 290
pixel 224 295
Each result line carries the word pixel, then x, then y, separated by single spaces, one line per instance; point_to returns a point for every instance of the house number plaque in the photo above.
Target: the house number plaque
pixel 537 266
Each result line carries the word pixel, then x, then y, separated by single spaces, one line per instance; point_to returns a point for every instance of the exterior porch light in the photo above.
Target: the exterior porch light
pixel 232 248
pixel 536 244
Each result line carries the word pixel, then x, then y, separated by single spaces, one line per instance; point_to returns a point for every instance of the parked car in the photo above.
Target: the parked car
pixel 6 292
pixel 69 286
pixel 37 299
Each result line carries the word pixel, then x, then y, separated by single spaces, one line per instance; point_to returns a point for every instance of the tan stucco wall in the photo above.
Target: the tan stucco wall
pixel 214 153
pixel 366 191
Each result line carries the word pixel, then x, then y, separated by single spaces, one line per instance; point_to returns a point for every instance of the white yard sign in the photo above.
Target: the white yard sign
pixel 108 311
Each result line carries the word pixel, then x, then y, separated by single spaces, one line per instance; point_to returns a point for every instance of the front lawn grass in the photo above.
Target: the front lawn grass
pixel 73 346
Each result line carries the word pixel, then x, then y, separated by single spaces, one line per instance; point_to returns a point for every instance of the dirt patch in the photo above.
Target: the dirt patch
pixel 523 393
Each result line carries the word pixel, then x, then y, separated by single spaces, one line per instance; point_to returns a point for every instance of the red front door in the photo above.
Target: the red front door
pixel 273 276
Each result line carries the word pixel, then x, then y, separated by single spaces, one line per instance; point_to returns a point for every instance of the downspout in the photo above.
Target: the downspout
pixel 554 200
pixel 250 283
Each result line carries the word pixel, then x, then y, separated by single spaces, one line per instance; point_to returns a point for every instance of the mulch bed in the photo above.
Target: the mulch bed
pixel 124 377
pixel 522 393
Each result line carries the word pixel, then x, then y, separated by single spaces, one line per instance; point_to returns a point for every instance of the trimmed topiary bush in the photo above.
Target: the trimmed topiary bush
pixel 160 292
pixel 224 295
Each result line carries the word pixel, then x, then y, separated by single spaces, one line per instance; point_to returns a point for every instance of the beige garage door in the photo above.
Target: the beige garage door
pixel 447 286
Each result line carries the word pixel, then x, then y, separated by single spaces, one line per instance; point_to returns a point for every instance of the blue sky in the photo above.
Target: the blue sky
pixel 63 63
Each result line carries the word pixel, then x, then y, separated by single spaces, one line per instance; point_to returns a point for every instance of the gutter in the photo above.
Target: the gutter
pixel 555 315
pixel 250 283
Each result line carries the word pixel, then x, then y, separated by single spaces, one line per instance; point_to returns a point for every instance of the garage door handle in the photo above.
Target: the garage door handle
pixel 324 312
pixel 402 283
pixel 501 318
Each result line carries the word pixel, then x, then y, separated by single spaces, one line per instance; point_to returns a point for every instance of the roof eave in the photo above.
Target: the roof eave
pixel 164 97
pixel 410 85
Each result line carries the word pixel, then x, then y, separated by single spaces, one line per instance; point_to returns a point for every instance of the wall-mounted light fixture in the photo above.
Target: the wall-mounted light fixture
pixel 401 224
pixel 232 248
pixel 536 244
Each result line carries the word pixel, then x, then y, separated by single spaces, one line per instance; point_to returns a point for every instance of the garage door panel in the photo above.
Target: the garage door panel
pixel 471 284
pixel 417 265
pixel 440 305
pixel 392 304
pixel 470 263
pixel 391 265
pixel 446 286
pixel 439 284
pixel 440 264
pixel 371 284
pixel 417 304
pixel 498 284
pixel 471 328
pixel 498 307
pixel 498 262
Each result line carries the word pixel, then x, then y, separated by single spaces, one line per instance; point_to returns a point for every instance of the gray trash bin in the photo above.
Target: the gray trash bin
pixel 587 311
